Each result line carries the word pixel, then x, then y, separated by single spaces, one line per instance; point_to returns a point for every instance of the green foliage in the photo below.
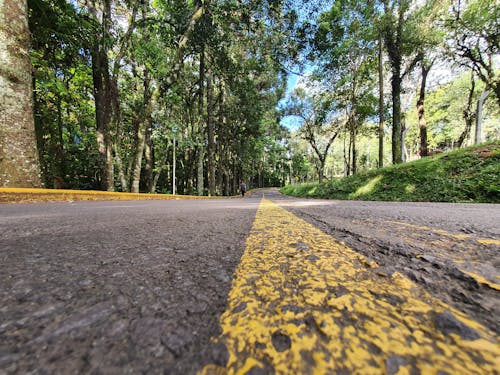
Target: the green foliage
pixel 64 113
pixel 444 114
pixel 466 175
pixel 217 80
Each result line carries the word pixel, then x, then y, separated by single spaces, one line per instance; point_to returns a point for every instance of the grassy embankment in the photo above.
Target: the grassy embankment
pixel 466 175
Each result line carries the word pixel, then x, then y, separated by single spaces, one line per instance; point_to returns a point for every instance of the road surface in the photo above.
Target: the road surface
pixel 250 286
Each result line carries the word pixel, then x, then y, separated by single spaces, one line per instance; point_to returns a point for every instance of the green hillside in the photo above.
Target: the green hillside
pixel 466 175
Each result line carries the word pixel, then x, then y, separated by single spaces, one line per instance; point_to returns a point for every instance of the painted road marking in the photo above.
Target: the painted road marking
pixel 303 303
pixel 481 279
pixel 484 241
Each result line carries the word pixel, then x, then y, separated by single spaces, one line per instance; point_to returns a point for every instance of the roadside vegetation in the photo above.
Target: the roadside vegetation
pixel 191 97
pixel 467 175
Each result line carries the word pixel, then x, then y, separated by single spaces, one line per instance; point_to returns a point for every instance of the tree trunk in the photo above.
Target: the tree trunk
pixel 139 150
pixel 422 124
pixel 61 165
pixel 102 97
pixel 393 34
pixel 119 165
pixel 479 116
pixel 200 152
pixel 347 164
pixel 211 136
pixel 143 123
pixel 349 153
pixel 468 113
pixel 354 152
pixel 19 163
pixel 321 171
pixel 496 87
pixel 397 154
pixel 380 104
pixel 149 156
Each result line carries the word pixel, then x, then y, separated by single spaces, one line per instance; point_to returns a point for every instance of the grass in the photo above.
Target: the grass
pixel 466 175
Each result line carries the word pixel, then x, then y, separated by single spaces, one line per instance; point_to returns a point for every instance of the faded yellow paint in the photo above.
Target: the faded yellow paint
pixel 484 241
pixel 482 280
pixel 20 195
pixel 303 303
pixel 489 242
pixel 458 257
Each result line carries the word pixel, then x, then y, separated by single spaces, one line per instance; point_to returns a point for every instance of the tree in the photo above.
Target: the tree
pixel 104 89
pixel 400 40
pixel 318 127
pixel 473 30
pixel 431 38
pixel 343 46
pixel 63 104
pixel 19 163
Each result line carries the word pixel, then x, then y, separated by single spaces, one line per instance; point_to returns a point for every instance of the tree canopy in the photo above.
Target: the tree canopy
pixel 196 95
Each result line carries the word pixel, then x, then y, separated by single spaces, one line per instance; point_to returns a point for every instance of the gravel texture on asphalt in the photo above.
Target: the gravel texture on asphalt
pixel 116 287
pixel 436 245
pixel 138 287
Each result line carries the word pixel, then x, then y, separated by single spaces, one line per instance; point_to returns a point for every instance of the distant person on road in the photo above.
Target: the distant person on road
pixel 243 188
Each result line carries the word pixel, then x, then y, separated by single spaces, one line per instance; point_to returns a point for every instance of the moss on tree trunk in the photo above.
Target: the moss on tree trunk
pixel 19 165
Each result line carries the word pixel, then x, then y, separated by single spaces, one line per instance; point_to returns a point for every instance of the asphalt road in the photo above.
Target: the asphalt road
pixel 139 286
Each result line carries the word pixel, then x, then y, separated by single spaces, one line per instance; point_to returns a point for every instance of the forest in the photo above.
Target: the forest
pixel 192 96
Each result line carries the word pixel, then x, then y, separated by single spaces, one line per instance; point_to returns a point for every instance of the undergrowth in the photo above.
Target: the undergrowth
pixel 466 175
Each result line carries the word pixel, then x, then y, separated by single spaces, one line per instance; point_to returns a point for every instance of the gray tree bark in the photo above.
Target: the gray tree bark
pixel 211 136
pixel 422 123
pixel 19 163
pixel 380 104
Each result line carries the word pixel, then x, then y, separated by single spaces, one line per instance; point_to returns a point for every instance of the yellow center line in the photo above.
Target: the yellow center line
pixel 303 303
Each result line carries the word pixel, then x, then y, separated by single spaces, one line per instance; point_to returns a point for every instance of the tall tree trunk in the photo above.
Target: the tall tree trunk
pixel 143 123
pixel 211 136
pixel 200 152
pixel 349 153
pixel 119 165
pixel 397 154
pixel 468 113
pixel 221 144
pixel 19 163
pixel 380 103
pixel 139 150
pixel 149 156
pixel 347 164
pixel 479 115
pixel 321 170
pixel 61 165
pixel 116 117
pixel 353 141
pixel 39 135
pixel 393 34
pixel 103 96
pixel 422 124
pixel 353 126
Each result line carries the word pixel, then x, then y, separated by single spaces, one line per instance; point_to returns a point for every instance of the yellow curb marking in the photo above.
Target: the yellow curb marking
pixel 303 303
pixel 14 195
